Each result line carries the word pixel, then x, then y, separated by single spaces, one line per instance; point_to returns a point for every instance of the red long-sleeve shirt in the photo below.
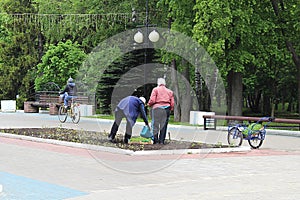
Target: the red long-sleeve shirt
pixel 161 96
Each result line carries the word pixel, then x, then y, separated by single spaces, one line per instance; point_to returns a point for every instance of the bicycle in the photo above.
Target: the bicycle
pixel 72 111
pixel 254 133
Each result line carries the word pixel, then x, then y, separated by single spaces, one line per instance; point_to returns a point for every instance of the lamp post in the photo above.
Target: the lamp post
pixel 139 38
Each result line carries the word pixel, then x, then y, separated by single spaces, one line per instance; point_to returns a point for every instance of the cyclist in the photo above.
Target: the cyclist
pixel 69 92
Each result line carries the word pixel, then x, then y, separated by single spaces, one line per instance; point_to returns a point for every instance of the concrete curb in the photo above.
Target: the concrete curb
pixel 283 133
pixel 68 144
pixel 125 151
pixel 193 151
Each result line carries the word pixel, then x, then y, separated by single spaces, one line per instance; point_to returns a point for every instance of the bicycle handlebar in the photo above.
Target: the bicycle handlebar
pixel 269 119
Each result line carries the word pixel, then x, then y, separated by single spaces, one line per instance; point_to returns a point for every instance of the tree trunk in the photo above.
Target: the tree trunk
pixel 298 88
pixel 177 109
pixel 229 91
pixel 266 106
pixel 186 93
pixel 206 100
pixel 274 107
pixel 213 83
pixel 198 88
pixel 209 91
pixel 235 97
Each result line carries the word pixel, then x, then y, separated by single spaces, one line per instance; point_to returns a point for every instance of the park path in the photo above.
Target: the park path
pixel 39 170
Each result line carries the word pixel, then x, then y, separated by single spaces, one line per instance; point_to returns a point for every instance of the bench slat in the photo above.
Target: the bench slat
pixel 244 118
pixel 46 100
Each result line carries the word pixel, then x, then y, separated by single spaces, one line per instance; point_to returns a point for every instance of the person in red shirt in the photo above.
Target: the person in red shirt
pixel 162 102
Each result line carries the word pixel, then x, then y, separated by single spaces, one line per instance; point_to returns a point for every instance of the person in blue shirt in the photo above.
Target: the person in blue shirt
pixel 130 108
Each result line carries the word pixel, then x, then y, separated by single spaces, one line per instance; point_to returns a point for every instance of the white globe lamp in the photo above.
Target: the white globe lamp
pixel 154 36
pixel 138 37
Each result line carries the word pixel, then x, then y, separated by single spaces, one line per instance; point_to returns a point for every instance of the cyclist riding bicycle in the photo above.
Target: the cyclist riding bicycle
pixel 69 92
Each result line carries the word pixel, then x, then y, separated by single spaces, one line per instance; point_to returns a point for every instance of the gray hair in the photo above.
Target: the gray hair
pixel 161 81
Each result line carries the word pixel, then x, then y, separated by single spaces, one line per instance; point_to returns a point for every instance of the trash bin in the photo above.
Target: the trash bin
pixel 196 117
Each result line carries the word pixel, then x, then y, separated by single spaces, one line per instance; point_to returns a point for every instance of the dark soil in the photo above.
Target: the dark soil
pixel 98 138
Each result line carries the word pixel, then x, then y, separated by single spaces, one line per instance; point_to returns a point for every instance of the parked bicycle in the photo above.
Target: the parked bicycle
pixel 255 133
pixel 72 111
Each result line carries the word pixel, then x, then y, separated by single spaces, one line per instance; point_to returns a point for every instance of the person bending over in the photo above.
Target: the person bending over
pixel 130 108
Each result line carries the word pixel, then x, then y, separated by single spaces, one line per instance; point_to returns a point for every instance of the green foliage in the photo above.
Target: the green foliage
pixel 18 51
pixel 5 35
pixel 86 22
pixel 224 29
pixel 240 36
pixel 112 75
pixel 59 63
pixel 181 13
pixel 245 36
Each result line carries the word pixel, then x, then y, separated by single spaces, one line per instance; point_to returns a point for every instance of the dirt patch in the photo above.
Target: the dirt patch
pixel 99 138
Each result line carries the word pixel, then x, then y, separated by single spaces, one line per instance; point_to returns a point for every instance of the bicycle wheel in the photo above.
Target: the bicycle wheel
pixel 75 114
pixel 256 140
pixel 62 114
pixel 235 137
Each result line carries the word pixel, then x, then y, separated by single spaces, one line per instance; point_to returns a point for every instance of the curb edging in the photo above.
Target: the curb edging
pixel 125 151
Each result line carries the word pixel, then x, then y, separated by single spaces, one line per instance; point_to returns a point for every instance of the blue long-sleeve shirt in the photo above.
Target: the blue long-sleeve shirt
pixel 132 106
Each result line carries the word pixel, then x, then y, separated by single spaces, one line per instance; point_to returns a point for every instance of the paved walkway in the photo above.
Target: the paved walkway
pixel 37 170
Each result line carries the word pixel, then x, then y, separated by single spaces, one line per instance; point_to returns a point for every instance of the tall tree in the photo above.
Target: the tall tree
pixel 264 66
pixel 180 17
pixel 225 29
pixel 287 14
pixel 20 55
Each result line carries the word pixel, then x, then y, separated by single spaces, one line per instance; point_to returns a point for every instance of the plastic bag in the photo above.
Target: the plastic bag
pixel 252 128
pixel 146 132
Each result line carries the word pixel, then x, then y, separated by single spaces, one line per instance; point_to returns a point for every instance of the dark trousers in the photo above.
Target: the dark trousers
pixel 160 120
pixel 119 115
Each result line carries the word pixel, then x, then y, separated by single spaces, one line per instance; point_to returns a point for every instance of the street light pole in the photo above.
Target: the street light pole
pixel 147 17
pixel 153 36
pixel 147 44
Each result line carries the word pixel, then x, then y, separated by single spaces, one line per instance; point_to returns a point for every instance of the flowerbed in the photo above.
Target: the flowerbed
pixel 100 138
